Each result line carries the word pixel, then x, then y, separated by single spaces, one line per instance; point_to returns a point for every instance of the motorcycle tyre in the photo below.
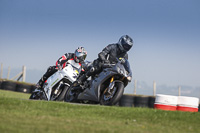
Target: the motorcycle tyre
pixel 36 96
pixel 62 95
pixel 117 96
pixel 66 95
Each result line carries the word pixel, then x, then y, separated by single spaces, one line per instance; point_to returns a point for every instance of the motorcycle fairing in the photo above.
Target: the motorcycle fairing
pixel 57 77
pixel 93 94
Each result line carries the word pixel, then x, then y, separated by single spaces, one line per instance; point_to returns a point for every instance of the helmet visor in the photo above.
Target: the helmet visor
pixel 127 47
pixel 80 56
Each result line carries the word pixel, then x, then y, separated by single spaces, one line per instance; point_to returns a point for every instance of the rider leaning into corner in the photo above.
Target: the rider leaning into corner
pixel 76 59
pixel 107 56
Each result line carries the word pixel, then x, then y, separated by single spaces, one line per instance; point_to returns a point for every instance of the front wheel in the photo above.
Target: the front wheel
pixel 115 95
pixel 62 95
pixel 38 95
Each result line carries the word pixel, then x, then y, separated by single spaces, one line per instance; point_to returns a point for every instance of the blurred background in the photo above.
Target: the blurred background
pixel 166 38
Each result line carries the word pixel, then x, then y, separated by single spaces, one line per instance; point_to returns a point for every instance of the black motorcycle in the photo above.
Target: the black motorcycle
pixel 105 88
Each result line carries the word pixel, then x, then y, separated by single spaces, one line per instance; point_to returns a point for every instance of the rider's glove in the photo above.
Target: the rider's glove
pixel 106 61
pixel 59 67
pixel 122 60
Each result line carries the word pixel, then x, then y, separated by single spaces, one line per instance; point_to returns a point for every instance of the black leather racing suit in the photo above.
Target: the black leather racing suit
pixel 108 55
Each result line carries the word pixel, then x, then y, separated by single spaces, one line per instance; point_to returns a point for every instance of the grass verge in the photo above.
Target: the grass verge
pixel 18 114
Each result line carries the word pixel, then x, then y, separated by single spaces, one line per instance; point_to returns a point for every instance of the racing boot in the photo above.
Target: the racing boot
pixel 84 77
pixel 40 83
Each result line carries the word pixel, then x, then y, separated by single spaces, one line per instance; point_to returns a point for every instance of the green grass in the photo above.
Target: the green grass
pixel 18 114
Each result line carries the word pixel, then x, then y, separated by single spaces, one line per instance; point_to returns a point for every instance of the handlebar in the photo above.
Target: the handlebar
pixel 108 65
pixel 111 65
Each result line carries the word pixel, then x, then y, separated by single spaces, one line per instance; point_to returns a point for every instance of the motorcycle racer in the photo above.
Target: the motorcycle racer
pixel 108 55
pixel 76 59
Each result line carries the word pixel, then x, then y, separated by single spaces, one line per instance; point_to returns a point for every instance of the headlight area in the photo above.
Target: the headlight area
pixel 124 73
pixel 129 78
pixel 120 71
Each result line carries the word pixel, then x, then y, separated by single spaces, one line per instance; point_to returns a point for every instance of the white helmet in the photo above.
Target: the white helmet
pixel 80 54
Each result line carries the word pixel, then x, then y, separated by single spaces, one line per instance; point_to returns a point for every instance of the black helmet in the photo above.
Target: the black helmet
pixel 80 54
pixel 125 43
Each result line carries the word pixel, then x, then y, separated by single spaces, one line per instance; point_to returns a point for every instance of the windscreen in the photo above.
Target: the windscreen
pixel 127 67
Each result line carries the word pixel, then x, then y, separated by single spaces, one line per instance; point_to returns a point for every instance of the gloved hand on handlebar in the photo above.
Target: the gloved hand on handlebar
pixel 106 62
pixel 122 60
pixel 59 67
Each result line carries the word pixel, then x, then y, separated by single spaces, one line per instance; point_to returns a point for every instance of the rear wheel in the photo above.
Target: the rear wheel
pixel 115 95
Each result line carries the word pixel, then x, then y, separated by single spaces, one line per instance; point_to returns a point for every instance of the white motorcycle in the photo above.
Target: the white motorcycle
pixel 55 87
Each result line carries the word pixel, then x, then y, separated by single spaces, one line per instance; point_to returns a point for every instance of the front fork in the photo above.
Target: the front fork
pixel 56 90
pixel 110 87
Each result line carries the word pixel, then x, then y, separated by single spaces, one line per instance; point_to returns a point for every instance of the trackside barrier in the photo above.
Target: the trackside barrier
pixel 137 101
pixel 163 102
pixel 188 104
pixel 7 85
pixel 127 101
pixel 179 103
pixel 16 86
pixel 141 101
pixel 0 83
pixel 199 107
pixel 166 102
